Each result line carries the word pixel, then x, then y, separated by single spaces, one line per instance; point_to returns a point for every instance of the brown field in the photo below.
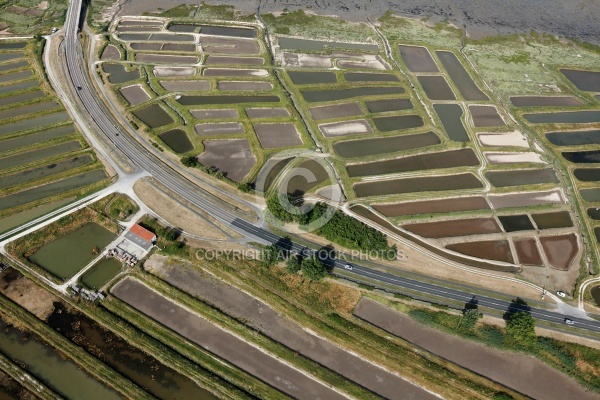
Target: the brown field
pixel 498 250
pixel 456 204
pixel 234 72
pixel 219 128
pixel 229 45
pixel 134 94
pixel 517 371
pixel 485 116
pixel 263 318
pixel 545 101
pixel 276 135
pixel 275 112
pixel 227 60
pixel 220 342
pixel 166 58
pixel 223 113
pixel 560 250
pixel 457 227
pixel 110 52
pixel 527 251
pixel 186 86
pixel 343 128
pixel 232 157
pixel 244 85
pixel 335 111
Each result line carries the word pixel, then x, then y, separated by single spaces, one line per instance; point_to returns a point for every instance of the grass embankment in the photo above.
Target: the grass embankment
pixel 25 246
pixel 578 361
pixel 326 307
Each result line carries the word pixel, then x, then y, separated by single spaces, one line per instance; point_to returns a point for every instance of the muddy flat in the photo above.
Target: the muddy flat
pixel 545 101
pixel 229 46
pixel 165 59
pixel 234 72
pixel 486 116
pixel 110 52
pixel 515 139
pixel 272 136
pixel 244 85
pixel 163 72
pixel 222 113
pixel 134 94
pixel 345 128
pixel 260 316
pixel 306 60
pixel 220 342
pixel 232 157
pixel 455 204
pixel 560 250
pixel 335 111
pixel 219 128
pixel 275 112
pixel 417 59
pixel 519 372
pixel 186 86
pixel 498 250
pixel 527 252
pixel 457 227
pixel 228 60
pixel 526 199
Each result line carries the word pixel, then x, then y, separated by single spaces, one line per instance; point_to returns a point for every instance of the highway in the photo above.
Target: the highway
pixel 175 182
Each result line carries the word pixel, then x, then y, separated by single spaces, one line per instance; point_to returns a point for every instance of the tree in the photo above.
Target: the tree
pixel 520 328
pixel 275 206
pixel 313 269
pixel 292 265
pixel 470 315
pixel 270 256
pixel 189 161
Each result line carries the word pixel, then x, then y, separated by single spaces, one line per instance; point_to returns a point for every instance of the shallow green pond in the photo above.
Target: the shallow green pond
pixel 101 273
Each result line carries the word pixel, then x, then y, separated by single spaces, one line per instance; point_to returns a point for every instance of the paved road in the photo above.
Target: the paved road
pixel 200 198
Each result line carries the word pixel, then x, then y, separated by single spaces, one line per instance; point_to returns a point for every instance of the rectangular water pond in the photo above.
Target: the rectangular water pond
pixel 567 117
pixel 52 189
pixel 101 273
pixel 118 73
pixel 45 171
pixel 398 122
pixel 366 77
pixel 521 177
pixel 418 184
pixel 14 65
pixel 34 138
pixel 335 111
pixel 389 144
pixel 314 96
pixel 498 250
pixel 22 97
pixel 451 114
pixel 319 45
pixel 486 116
pixel 455 227
pixel 588 81
pixel 223 99
pixel 388 105
pixel 574 138
pixel 32 123
pixel 545 101
pixel 19 86
pixel 28 109
pixel 48 365
pixel 12 46
pixel 421 162
pixel 551 220
pixel 417 59
pixel 463 81
pixel 582 157
pixel 591 195
pixel 65 256
pixel 514 223
pixel 587 174
pixel 307 78
pixel 13 76
pixel 154 116
pixel 436 87
pixel 39 154
pixel 527 251
pixel 178 140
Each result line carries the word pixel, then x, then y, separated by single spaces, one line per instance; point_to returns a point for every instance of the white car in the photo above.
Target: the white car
pixel 561 293
pixel 569 321
pixel 348 267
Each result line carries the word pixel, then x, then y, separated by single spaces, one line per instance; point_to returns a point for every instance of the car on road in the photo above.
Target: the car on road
pixel 569 321
pixel 348 267
pixel 561 293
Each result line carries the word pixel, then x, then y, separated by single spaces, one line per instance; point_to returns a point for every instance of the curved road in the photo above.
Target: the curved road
pixel 204 200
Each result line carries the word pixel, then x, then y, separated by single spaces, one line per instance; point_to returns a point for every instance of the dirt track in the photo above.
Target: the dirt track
pixel 520 372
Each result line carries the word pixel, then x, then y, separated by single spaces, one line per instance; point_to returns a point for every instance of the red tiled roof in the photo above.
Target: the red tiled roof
pixel 142 232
